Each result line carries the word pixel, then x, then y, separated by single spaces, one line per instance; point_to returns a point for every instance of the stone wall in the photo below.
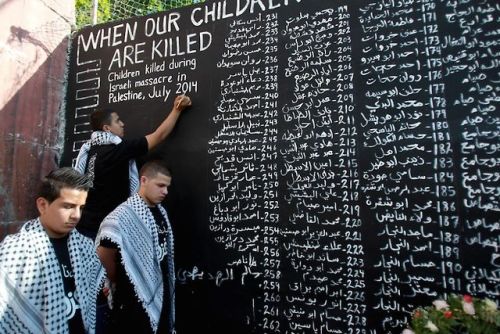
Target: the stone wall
pixel 34 39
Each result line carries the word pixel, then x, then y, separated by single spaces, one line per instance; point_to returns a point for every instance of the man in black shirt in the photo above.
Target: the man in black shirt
pixel 110 162
pixel 136 248
pixel 50 273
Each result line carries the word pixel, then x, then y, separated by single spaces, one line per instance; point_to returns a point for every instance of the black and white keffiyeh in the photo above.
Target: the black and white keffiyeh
pixel 132 227
pixel 104 138
pixel 31 285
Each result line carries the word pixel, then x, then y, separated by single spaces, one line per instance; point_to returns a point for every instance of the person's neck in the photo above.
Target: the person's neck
pixel 53 235
pixel 148 203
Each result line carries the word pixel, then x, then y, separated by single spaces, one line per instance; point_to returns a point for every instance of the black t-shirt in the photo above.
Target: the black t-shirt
pixel 128 311
pixel 161 227
pixel 73 313
pixel 109 165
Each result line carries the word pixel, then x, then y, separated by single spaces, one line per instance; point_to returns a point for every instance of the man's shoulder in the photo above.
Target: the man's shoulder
pixel 20 242
pixel 133 141
pixel 112 224
pixel 100 149
pixel 25 230
pixel 11 239
pixel 125 213
pixel 134 146
pixel 120 210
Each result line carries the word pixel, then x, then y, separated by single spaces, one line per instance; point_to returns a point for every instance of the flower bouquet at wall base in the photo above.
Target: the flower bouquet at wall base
pixel 457 314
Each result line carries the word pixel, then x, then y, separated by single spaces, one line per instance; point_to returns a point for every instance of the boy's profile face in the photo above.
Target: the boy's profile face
pixel 61 216
pixel 116 125
pixel 154 189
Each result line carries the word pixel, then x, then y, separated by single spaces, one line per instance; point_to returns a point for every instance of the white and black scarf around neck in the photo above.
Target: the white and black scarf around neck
pixel 105 138
pixel 133 228
pixel 31 284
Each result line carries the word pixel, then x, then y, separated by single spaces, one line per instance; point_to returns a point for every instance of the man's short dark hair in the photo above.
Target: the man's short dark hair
pixel 65 177
pixel 154 167
pixel 99 118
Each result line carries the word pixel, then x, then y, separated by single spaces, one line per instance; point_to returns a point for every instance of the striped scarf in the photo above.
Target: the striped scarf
pixel 133 228
pixel 31 284
pixel 104 138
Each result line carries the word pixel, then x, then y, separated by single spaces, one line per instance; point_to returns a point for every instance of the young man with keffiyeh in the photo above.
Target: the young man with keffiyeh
pixel 50 274
pixel 110 162
pixel 135 244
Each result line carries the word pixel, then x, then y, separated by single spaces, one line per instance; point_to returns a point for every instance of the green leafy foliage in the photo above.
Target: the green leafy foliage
pixel 83 10
pixel 110 10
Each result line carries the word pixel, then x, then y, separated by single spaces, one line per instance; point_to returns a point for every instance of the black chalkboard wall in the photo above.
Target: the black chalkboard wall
pixel 339 166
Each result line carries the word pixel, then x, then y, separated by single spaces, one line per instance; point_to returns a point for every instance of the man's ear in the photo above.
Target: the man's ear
pixel 144 178
pixel 105 128
pixel 42 204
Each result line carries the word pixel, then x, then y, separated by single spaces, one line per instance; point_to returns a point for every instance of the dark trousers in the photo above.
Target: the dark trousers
pixel 103 322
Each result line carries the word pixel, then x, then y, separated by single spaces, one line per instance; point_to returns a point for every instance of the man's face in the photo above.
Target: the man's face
pixel 154 189
pixel 61 216
pixel 116 126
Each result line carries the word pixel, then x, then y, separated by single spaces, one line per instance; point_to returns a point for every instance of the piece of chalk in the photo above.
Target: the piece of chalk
pixel 179 103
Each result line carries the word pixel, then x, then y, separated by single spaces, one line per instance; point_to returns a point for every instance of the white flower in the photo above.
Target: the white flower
pixel 440 304
pixel 433 328
pixel 408 331
pixel 491 305
pixel 468 308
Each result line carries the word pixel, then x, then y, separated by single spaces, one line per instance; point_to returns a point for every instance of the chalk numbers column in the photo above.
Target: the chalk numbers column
pixel 269 174
pixel 355 304
pixel 442 152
